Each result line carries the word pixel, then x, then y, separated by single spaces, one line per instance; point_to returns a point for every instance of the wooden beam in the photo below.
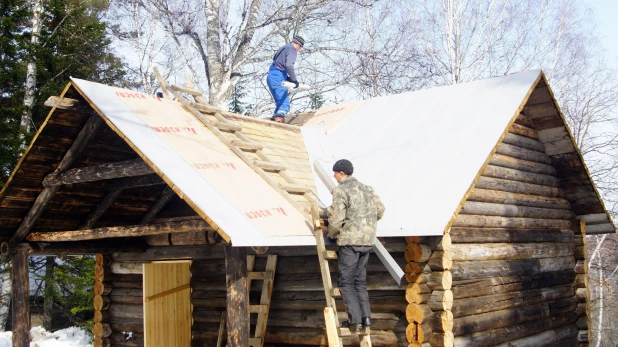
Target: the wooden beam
pixel 85 135
pixel 165 197
pixel 125 231
pixel 107 201
pixel 20 299
pixel 68 104
pixel 134 182
pixel 237 296
pixel 126 168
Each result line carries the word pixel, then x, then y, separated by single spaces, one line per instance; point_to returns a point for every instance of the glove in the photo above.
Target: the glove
pixel 295 83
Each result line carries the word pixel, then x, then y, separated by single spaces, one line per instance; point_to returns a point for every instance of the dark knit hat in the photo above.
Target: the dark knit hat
pixel 299 40
pixel 344 165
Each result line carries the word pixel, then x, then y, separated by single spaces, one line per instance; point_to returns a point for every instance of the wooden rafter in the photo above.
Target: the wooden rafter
pixel 107 201
pixel 126 168
pixel 83 138
pixel 124 231
pixel 165 197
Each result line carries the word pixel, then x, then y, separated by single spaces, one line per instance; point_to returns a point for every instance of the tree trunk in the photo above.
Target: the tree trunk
pixel 5 294
pixel 48 306
pixel 26 119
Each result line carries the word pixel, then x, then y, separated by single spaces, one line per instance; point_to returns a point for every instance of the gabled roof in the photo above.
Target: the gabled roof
pixel 178 151
pixel 423 151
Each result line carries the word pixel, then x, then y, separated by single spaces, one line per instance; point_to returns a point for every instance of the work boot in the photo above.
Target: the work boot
pixel 353 327
pixel 366 322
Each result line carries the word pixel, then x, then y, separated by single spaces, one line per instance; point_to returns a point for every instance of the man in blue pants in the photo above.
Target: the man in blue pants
pixel 281 70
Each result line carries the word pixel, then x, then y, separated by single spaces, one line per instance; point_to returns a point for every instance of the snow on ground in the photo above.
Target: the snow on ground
pixel 39 337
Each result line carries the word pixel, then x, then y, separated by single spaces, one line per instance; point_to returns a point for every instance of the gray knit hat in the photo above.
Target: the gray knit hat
pixel 299 40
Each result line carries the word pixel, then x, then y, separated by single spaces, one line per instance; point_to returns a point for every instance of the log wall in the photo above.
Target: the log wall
pixel 296 314
pixel 515 252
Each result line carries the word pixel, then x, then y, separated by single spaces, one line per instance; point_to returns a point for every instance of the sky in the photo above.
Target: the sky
pixel 606 15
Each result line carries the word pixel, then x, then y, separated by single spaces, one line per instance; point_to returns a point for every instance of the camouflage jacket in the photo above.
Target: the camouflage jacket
pixel 354 214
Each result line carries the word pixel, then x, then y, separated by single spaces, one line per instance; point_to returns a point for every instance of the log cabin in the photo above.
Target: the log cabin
pixel 204 222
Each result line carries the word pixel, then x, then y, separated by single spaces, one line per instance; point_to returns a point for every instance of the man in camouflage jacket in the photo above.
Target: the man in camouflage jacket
pixel 352 220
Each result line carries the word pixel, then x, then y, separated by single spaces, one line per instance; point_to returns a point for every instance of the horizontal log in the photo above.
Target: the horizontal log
pixel 579 281
pixel 503 318
pixel 526 130
pixel 582 309
pixel 296 336
pixel 582 336
pixel 301 319
pixel 127 296
pixel 101 316
pixel 417 293
pixel 499 251
pixel 200 252
pixel 442 340
pixel 102 330
pixel 502 301
pixel 437 243
pixel 441 300
pixel 553 337
pixel 127 268
pixel 127 168
pixel 102 288
pixel 505 284
pixel 478 221
pixel 101 303
pixel 126 311
pixel 125 231
pixel 418 333
pixel 524 142
pixel 124 339
pixel 418 313
pixel 417 252
pixel 522 165
pixel 512 332
pixel 580 267
pixel 581 295
pixel 507 210
pixel 510 198
pixel 523 153
pixel 380 301
pixel 521 176
pixel 300 282
pixel 440 280
pixel 462 270
pixel 440 261
pixel 503 235
pixel 518 187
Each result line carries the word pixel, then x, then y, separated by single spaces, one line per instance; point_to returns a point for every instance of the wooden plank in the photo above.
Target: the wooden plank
pixel 221 329
pixel 127 168
pixel 87 133
pixel 186 90
pixel 265 298
pixel 237 296
pixel 20 299
pixel 331 327
pixel 68 104
pixel 167 292
pixel 126 231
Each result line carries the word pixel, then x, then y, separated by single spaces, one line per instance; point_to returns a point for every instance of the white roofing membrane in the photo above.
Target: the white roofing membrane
pixel 420 150
pixel 202 167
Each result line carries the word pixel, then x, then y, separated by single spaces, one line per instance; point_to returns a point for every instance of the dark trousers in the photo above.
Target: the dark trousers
pixel 351 281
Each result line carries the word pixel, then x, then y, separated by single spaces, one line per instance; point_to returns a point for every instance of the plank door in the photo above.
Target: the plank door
pixel 167 304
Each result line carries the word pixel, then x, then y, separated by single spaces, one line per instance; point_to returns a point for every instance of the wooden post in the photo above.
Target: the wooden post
pixel 237 297
pixel 21 299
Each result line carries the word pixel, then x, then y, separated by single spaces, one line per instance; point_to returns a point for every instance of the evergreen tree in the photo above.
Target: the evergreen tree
pixel 13 19
pixel 316 101
pixel 236 104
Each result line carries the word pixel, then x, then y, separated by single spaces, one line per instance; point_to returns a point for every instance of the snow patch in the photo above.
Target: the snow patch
pixel 39 337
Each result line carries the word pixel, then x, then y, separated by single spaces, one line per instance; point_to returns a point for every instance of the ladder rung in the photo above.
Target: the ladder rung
pixel 294 188
pixel 335 292
pixel 255 341
pixel 186 90
pixel 227 126
pixel 344 332
pixel 258 308
pixel 330 255
pixel 267 165
pixel 264 275
pixel 247 145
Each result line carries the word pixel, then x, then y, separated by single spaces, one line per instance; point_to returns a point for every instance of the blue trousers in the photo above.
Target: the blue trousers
pixel 279 92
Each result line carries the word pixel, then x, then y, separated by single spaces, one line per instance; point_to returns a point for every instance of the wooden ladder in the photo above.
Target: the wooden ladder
pixel 262 309
pixel 241 145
